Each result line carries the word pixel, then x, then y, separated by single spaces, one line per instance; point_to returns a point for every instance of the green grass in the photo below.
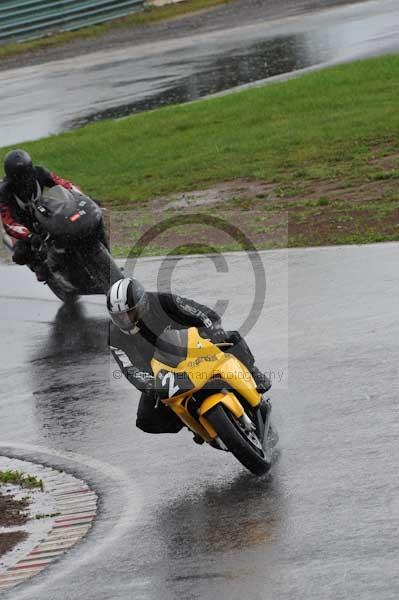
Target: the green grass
pixel 322 141
pixel 46 516
pixel 322 126
pixel 19 478
pixel 148 16
pixel 363 237
pixel 122 251
pixel 382 175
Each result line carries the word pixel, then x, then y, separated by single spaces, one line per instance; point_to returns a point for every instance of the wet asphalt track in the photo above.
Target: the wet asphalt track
pixel 178 521
pixel 49 98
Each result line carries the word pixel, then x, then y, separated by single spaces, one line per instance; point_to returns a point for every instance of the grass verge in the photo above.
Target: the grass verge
pixel 19 478
pixel 311 161
pixel 150 15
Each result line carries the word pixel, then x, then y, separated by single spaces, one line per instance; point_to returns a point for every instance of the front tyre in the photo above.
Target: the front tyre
pixel 243 444
pixel 67 296
pixel 103 269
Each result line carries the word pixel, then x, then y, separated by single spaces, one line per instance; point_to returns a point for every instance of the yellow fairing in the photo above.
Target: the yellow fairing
pixel 205 361
pixel 202 360
pixel 238 376
pixel 229 400
pixel 202 427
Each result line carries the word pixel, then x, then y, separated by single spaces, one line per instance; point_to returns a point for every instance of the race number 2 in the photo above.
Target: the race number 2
pixel 172 387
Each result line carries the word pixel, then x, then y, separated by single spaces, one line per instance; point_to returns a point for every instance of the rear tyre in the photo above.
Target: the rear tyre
pixel 244 445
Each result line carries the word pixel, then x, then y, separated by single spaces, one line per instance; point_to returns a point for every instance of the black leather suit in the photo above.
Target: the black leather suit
pixel 133 353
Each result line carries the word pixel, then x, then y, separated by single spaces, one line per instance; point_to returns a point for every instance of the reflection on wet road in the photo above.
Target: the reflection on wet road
pixel 37 101
pixel 210 75
pixel 62 401
pixel 74 343
pixel 181 521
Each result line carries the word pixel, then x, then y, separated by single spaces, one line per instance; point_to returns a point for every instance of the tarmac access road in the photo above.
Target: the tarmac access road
pixel 186 60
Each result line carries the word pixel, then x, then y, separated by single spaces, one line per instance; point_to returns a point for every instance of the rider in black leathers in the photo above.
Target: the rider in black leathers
pixel 23 183
pixel 133 343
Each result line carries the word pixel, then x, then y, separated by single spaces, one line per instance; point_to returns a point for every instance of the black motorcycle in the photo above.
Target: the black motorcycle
pixel 71 247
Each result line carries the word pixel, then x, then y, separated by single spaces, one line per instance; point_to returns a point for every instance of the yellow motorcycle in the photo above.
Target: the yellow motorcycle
pixel 215 396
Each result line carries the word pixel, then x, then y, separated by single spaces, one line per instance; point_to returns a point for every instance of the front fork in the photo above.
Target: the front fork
pixel 262 417
pixel 259 423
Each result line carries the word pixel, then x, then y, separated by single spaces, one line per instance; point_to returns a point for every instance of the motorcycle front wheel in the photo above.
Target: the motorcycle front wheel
pixel 65 296
pixel 103 269
pixel 243 444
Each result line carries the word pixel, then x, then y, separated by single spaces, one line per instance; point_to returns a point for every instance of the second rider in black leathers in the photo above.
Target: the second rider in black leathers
pixel 138 319
pixel 24 183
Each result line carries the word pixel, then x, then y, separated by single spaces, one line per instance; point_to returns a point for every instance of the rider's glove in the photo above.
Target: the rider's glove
pixel 217 336
pixel 233 337
pixel 215 333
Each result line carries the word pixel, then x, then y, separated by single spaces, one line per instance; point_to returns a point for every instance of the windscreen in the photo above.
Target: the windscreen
pixel 172 347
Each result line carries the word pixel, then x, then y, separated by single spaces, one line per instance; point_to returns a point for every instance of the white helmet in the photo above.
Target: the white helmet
pixel 127 304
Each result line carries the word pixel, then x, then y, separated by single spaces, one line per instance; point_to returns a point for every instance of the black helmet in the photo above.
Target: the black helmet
pixel 127 304
pixel 18 166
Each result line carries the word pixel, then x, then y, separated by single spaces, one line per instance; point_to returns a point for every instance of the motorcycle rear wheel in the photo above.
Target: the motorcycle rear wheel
pixel 239 442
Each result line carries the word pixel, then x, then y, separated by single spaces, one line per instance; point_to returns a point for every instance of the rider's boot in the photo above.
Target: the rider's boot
pixel 198 439
pixel 40 274
pixel 38 270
